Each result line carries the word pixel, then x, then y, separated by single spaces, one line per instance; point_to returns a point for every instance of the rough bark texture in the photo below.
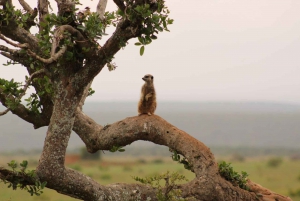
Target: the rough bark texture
pixel 62 113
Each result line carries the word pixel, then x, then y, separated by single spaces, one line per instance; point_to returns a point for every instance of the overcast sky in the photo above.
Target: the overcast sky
pixel 217 50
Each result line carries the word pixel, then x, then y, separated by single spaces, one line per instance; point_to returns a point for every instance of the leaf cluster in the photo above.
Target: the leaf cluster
pixel 117 148
pixel 227 172
pixel 168 191
pixel 18 176
pixel 184 161
pixel 152 22
pixel 10 14
pixel 11 88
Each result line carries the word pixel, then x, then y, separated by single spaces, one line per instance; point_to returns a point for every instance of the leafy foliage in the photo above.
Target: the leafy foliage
pixel 117 148
pixel 184 161
pixel 274 162
pixel 152 22
pixel 227 172
pixel 17 178
pixel 11 89
pixel 168 192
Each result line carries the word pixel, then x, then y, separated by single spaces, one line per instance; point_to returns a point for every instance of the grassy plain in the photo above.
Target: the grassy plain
pixel 281 179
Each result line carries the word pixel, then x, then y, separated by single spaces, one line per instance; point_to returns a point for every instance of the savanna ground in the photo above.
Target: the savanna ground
pixel 281 175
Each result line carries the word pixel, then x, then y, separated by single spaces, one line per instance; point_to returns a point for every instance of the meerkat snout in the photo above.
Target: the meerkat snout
pixel 147 103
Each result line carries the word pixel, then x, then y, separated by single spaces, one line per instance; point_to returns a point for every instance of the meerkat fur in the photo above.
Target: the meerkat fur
pixel 147 103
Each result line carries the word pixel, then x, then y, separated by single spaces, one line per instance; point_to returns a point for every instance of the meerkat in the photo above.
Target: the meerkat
pixel 147 103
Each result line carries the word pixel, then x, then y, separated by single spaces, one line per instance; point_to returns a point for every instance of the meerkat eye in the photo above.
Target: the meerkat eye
pixel 152 77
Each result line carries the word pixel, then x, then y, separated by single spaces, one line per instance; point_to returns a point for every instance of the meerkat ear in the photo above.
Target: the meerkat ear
pixel 152 77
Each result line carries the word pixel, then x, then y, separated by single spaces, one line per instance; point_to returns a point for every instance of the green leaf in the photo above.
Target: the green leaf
pixel 142 40
pixel 142 49
pixel 137 44
pixel 24 163
pixel 153 37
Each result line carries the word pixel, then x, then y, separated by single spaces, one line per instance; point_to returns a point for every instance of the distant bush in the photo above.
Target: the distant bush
pixel 158 161
pixel 295 193
pixel 103 168
pixel 295 157
pixel 76 167
pixel 85 155
pixel 237 158
pixel 142 161
pixel 274 162
pixel 127 169
pixel 106 177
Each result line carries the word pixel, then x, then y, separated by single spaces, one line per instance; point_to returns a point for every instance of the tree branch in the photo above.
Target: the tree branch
pixel 19 34
pixel 53 57
pixel 12 43
pixel 94 64
pixel 157 130
pixel 120 4
pixel 101 6
pixel 43 11
pixel 25 6
pixel 59 35
pixel 20 110
pixel 6 49
pixel 4 112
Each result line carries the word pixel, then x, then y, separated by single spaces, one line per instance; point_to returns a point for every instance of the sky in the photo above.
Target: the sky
pixel 216 50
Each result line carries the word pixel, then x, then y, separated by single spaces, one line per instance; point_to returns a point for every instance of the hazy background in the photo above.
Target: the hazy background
pixel 227 73
pixel 217 50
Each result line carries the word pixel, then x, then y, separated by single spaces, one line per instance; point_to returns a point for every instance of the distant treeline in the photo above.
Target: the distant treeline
pixel 162 151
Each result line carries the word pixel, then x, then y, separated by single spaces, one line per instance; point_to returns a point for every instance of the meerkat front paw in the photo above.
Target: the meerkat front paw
pixel 149 113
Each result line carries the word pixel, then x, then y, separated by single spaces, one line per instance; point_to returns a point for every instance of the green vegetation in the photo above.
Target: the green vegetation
pixel 184 161
pixel 274 162
pixel 19 178
pixel 168 192
pixel 232 176
pixel 283 179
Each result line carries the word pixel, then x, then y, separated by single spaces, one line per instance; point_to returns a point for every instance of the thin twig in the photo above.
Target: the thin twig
pixel 28 81
pixel 4 112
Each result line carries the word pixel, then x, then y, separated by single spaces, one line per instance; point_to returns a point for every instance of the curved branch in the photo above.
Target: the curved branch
pixel 53 57
pixel 208 184
pixel 4 112
pixel 59 35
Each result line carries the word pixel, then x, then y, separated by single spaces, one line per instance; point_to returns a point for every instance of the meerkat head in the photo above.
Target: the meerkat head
pixel 148 78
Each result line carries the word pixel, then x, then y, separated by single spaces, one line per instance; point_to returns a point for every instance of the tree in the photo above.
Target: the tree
pixel 62 58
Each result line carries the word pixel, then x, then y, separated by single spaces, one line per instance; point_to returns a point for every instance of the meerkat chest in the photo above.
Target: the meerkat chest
pixel 148 89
